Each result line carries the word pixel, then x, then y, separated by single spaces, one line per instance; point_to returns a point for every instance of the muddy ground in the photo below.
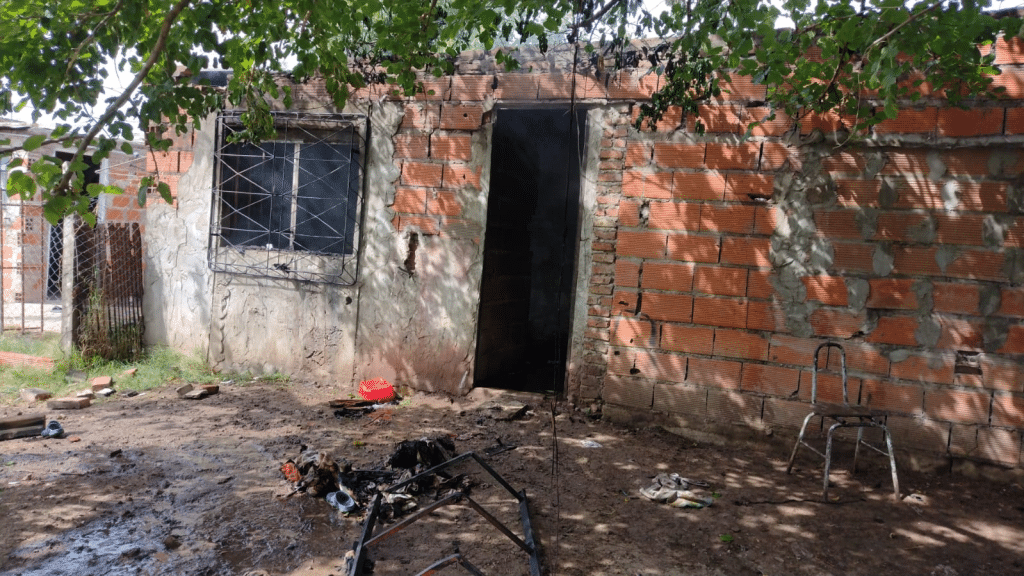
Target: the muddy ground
pixel 162 485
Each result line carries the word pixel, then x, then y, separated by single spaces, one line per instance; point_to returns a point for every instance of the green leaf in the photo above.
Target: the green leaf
pixel 33 142
pixel 165 192
pixel 127 148
pixel 726 538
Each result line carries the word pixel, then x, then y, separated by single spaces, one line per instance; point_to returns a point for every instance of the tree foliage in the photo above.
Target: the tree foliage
pixel 57 54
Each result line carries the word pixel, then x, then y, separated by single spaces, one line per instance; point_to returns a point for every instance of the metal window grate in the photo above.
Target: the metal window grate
pixel 289 207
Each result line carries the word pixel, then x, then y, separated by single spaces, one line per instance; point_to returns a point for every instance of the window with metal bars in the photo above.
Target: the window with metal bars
pixel 289 207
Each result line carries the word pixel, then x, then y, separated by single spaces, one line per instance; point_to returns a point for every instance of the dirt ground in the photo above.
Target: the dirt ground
pixel 162 485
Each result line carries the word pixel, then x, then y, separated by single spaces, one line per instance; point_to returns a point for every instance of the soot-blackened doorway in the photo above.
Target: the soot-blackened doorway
pixel 530 249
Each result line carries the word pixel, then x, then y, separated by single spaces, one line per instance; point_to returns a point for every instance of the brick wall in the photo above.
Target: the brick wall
pixel 719 262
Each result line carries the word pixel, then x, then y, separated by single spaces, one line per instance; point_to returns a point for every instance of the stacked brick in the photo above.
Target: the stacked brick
pixel 434 154
pixel 719 261
pixel 736 257
pixel 167 167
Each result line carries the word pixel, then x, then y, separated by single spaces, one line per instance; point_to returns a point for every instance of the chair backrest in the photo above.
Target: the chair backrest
pixel 814 373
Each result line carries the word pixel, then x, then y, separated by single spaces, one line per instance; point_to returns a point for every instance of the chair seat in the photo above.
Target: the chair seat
pixel 844 411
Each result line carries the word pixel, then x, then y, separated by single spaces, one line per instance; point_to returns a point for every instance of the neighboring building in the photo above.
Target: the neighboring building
pixel 515 229
pixel 31 247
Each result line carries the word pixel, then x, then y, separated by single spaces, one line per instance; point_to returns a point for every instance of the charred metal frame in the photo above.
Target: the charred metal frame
pixel 526 543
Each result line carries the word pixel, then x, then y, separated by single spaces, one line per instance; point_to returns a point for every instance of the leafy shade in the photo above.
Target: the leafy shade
pixel 58 53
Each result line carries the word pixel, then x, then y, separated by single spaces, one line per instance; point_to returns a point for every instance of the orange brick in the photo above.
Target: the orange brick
pixel 638 154
pixel 777 127
pixel 718 373
pixel 771 380
pixel 837 224
pixel 910 121
pixel 411 145
pixel 983 196
pixel 410 200
pixel 1009 50
pixel 767 219
pixel 629 214
pixel 960 334
pixel 424 224
pixel 434 89
pixel 632 332
pixel 516 86
pixel 898 225
pixel 627 273
pixel 857 193
pixel 883 395
pixel 624 303
pixel 891 293
pixel 471 87
pixel 897 330
pixel 738 344
pixel 723 119
pixel 451 147
pixel 1008 411
pixel 458 176
pixel 419 116
pixel 444 203
pixel 641 244
pixel 1015 121
pixel 759 284
pixel 698 186
pixel 676 155
pixel 836 323
pixel 956 298
pixel 745 156
pixel 746 251
pixel 957 406
pixel 1012 302
pixel 848 162
pixel 934 368
pixel 767 316
pixel 829 290
pixel 967 161
pixel 860 357
pixel 647 185
pixel 674 216
pixel 736 219
pixel 461 116
pixel 747 187
pixel 692 248
pixel 721 281
pixel 726 312
pixel 626 85
pixel 669 307
pixel 791 350
pixel 775 156
pixel 1014 341
pixel 1012 83
pixel 1001 373
pixel 910 162
pixel 965 229
pixel 957 123
pixel 668 276
pixel 829 389
pixel 421 174
pixel 743 88
pixel 688 339
pixel 644 364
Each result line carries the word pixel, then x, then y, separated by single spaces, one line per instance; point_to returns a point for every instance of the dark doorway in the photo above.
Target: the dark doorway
pixel 530 249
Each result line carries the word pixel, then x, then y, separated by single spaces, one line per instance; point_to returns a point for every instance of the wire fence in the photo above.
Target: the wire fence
pixel 30 268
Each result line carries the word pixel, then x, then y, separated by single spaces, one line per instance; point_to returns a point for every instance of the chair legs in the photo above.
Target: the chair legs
pixel 799 441
pixel 890 452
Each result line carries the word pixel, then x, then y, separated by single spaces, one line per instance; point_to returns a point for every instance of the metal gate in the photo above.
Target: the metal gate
pixel 106 291
pixel 30 268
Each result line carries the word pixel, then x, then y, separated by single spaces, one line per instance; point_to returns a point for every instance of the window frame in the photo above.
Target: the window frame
pixel 326 263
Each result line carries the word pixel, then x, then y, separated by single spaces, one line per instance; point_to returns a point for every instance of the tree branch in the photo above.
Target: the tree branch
pixel 897 28
pixel 92 35
pixel 154 55
pixel 597 15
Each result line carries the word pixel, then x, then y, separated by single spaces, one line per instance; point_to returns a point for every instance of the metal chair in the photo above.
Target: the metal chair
pixel 845 416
